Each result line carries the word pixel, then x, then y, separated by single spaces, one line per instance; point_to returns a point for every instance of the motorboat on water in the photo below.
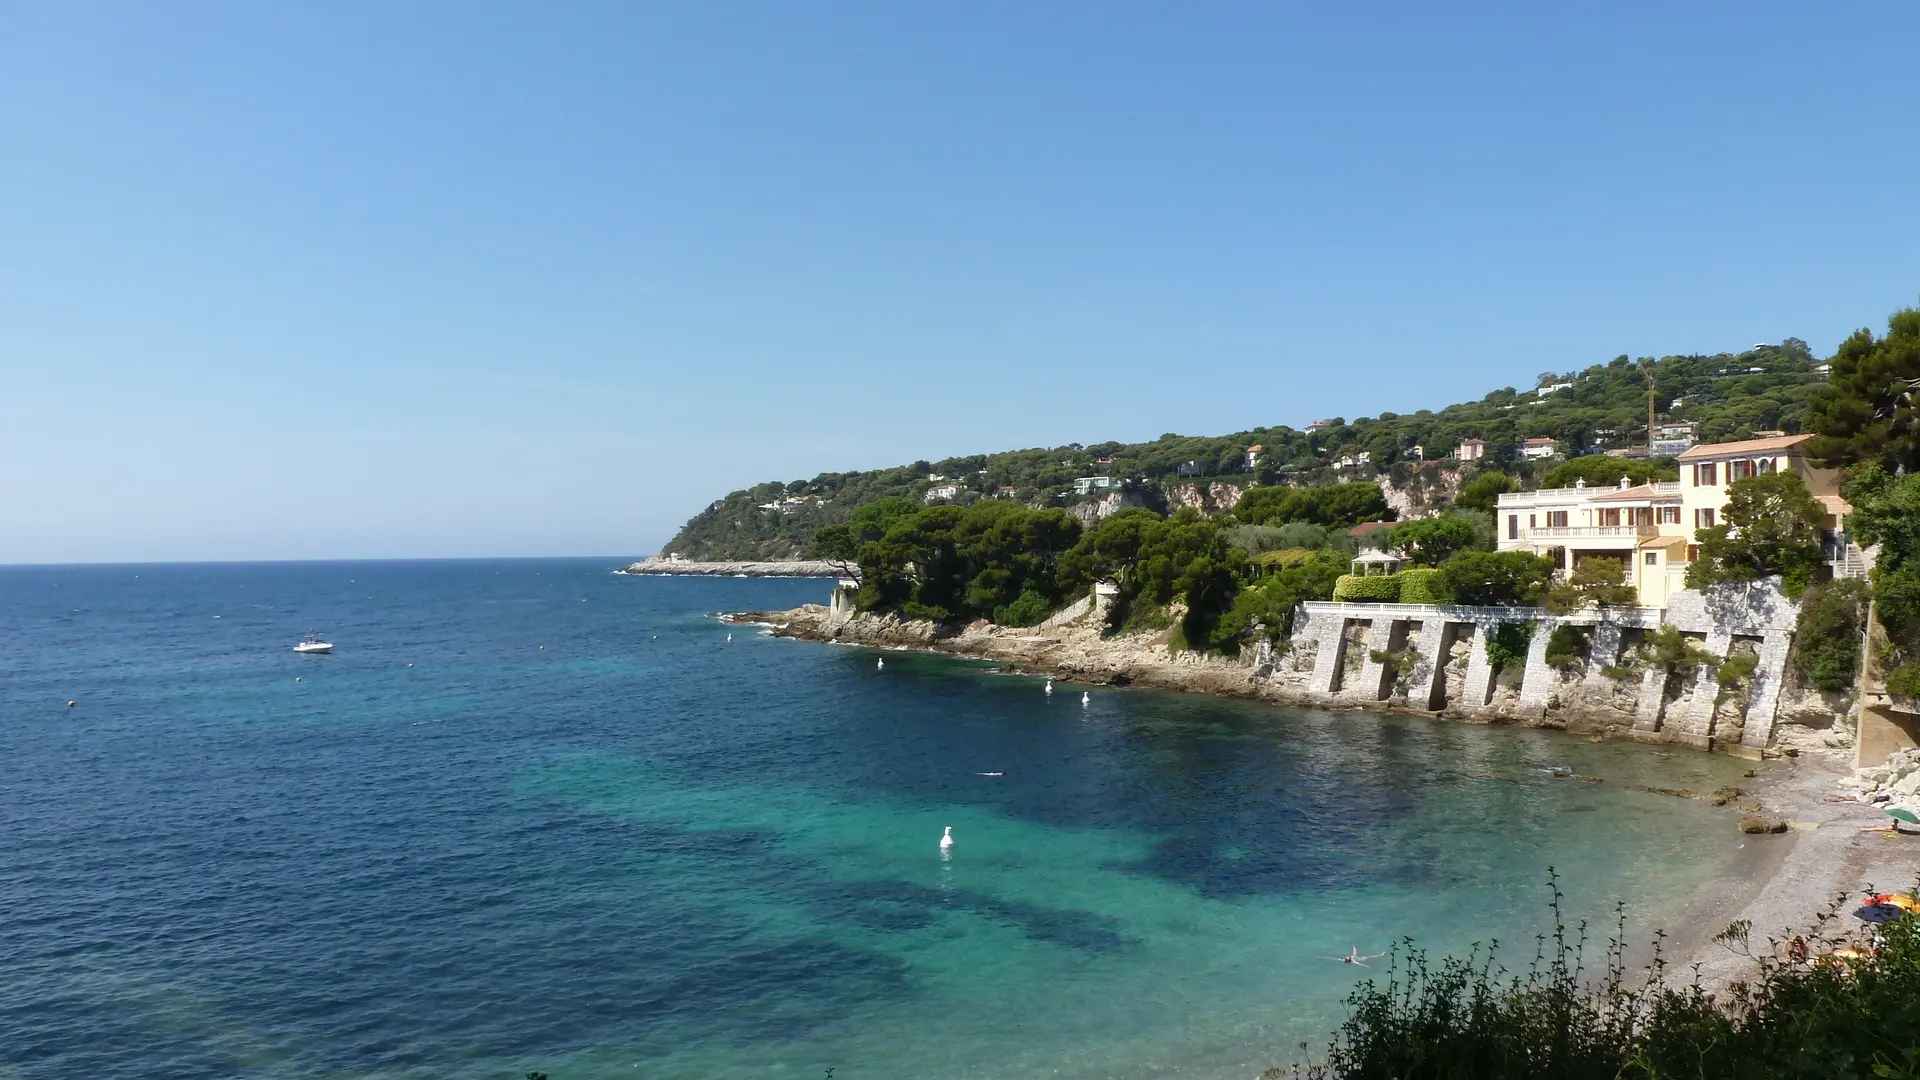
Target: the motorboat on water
pixel 313 644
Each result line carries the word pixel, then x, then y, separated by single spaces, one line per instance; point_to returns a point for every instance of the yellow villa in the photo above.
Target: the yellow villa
pixel 1650 527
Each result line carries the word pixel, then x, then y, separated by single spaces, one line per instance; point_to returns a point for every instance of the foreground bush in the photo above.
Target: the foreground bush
pixel 1471 1018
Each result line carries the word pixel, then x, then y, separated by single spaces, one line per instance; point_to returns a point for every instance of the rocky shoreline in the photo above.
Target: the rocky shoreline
pixel 1073 645
pixel 1061 646
pixel 657 566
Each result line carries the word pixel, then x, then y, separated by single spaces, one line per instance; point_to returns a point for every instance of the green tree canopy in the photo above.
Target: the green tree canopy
pixel 1273 600
pixel 951 562
pixel 1867 409
pixel 1599 470
pixel 1483 492
pixel 1771 526
pixel 1886 511
pixel 1499 577
pixel 841 544
pixel 1595 582
pixel 1339 505
pixel 1432 541
pixel 1826 640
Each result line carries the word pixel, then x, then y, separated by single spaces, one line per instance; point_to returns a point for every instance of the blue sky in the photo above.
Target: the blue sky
pixel 373 279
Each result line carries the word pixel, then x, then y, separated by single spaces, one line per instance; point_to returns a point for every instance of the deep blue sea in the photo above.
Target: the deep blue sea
pixel 535 815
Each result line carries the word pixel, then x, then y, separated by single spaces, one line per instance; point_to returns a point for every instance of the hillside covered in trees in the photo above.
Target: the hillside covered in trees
pixel 1602 407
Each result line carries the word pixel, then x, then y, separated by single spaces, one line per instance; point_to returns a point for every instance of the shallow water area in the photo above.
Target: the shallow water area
pixel 587 834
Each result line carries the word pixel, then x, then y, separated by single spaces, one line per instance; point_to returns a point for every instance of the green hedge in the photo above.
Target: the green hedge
pixel 1377 588
pixel 1425 585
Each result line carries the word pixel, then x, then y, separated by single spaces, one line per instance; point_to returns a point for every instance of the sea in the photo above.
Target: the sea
pixel 536 816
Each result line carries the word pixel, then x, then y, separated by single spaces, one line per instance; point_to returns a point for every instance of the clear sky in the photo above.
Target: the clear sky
pixel 286 280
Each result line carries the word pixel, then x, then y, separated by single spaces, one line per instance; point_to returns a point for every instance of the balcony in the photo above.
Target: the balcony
pixel 1592 532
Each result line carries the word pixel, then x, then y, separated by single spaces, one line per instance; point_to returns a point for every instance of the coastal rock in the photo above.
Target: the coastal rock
pixel 664 566
pixel 1093 511
pixel 1759 824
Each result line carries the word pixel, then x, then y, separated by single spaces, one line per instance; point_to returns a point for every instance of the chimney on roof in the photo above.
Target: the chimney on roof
pixel 1580 483
pixel 1625 483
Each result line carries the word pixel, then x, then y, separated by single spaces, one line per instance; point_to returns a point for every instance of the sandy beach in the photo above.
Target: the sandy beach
pixel 1779 883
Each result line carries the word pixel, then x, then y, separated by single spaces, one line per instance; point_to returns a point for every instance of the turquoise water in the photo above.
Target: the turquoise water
pixel 643 850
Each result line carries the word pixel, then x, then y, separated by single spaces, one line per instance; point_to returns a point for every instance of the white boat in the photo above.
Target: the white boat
pixel 313 644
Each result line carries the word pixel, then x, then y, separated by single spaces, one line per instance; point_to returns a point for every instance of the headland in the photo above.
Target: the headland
pixel 674 567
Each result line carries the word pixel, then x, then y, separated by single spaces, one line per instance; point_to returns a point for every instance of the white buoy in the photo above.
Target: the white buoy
pixel 729 637
pixel 1049 686
pixel 946 839
pixel 881 664
pixel 1085 699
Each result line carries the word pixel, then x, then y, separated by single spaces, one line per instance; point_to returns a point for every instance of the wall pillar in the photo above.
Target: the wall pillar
pixel 1479 684
pixel 1332 635
pixel 1653 699
pixel 1436 640
pixel 1763 701
pixel 1541 679
pixel 1696 724
pixel 1371 685
pixel 1603 654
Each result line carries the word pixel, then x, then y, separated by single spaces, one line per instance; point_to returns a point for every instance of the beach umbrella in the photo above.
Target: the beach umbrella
pixel 1901 814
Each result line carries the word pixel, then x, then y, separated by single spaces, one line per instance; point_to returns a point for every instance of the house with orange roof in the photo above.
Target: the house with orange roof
pixel 1651 528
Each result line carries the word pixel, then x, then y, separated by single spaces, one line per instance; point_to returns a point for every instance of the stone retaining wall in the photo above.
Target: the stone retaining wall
pixel 1594 698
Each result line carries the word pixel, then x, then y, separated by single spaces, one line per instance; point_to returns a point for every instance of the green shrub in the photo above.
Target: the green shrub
pixel 1302 534
pixel 1670 648
pixel 1255 539
pixel 1904 681
pixel 1285 557
pixel 1147 616
pixel 1735 668
pixel 1026 610
pixel 1569 645
pixel 1826 640
pixel 1376 588
pixel 1572 1015
pixel 1425 585
pixel 1507 644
